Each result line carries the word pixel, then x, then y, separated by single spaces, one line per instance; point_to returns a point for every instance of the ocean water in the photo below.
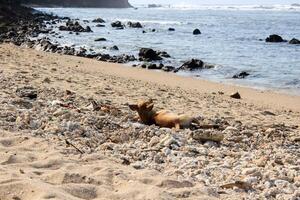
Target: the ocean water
pixel 230 39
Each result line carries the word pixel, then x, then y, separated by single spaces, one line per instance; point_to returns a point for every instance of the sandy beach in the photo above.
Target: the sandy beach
pixel 109 155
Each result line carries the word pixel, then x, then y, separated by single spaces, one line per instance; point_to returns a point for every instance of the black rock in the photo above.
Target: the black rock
pixel 194 64
pixel 27 92
pixel 117 24
pixel 196 32
pixel 163 54
pixel 88 29
pixel 74 27
pixel 152 66
pixel 274 38
pixel 98 20
pixel 144 31
pixel 116 48
pixel 171 29
pixel 100 39
pixel 104 57
pixel 294 41
pixel 134 25
pixel 241 75
pixel 236 95
pixel 168 68
pixel 100 25
pixel 149 54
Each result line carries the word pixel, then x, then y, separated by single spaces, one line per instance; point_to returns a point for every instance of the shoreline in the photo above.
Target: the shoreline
pixel 30 39
pixel 251 95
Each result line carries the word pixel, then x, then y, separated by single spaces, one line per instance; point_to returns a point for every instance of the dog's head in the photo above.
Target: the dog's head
pixel 144 109
pixel 142 106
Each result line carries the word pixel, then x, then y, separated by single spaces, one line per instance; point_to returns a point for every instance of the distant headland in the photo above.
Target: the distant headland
pixel 78 3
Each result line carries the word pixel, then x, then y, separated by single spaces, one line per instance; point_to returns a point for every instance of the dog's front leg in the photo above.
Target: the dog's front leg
pixel 177 126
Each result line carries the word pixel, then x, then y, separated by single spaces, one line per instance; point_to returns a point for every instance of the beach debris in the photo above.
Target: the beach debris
pixel 148 54
pixel 294 41
pixel 175 184
pixel 72 145
pixel 27 92
pixel 194 64
pixel 98 20
pixel 22 103
pixel 100 39
pixel 196 32
pixel 274 38
pixel 239 184
pixel 117 24
pixel 266 112
pixel 134 25
pixel 241 75
pixel 236 95
pixel 207 135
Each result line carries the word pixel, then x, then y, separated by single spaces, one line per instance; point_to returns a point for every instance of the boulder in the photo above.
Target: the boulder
pixel 100 39
pixel 235 95
pixel 74 27
pixel 149 54
pixel 294 41
pixel 194 64
pixel 100 25
pixel 274 38
pixel 168 68
pixel 98 20
pixel 153 66
pixel 117 24
pixel 115 48
pixel 134 25
pixel 241 75
pixel 196 32
pixel 163 54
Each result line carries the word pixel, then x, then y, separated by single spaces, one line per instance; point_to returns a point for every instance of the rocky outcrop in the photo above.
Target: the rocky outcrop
pixel 194 64
pixel 78 3
pixel 148 54
pixel 294 41
pixel 74 27
pixel 274 38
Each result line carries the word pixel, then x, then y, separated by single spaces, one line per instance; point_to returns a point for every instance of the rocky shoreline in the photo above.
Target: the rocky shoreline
pixel 25 32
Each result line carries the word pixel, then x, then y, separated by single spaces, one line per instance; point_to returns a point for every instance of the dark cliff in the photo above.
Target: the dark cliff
pixel 78 3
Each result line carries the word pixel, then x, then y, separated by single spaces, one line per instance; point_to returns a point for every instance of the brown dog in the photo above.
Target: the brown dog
pixel 164 118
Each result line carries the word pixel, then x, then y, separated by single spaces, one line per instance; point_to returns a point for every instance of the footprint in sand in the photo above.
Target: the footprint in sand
pixel 81 191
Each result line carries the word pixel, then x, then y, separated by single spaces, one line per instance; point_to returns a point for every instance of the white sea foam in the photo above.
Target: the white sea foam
pixel 275 7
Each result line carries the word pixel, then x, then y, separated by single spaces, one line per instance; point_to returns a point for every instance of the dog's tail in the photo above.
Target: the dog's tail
pixel 197 125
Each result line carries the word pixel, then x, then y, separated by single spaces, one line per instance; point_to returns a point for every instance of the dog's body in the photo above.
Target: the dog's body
pixel 165 118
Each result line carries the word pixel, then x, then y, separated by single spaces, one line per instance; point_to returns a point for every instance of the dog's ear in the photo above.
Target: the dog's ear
pixel 133 107
pixel 150 107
